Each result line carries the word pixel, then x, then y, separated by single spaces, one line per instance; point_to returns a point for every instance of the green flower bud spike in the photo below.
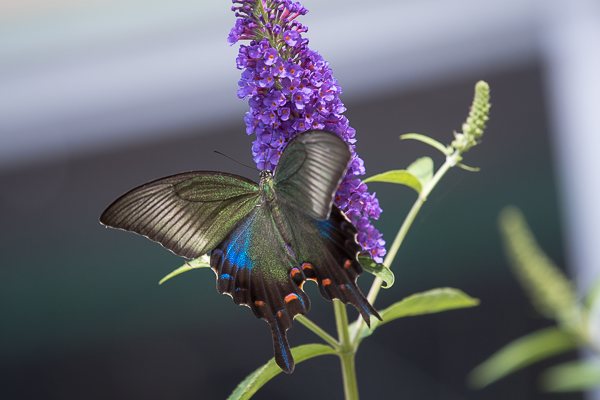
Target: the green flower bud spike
pixel 474 126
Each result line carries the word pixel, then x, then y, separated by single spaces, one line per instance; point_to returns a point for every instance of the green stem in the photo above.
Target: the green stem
pixel 450 162
pixel 346 351
pixel 341 322
pixel 317 330
pixel 349 375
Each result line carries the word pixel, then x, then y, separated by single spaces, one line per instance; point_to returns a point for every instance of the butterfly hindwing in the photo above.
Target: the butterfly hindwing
pixel 328 252
pixel 256 267
pixel 310 170
pixel 265 261
pixel 306 179
pixel 188 213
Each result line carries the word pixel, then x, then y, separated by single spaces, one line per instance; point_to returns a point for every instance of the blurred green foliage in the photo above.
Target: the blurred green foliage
pixel 553 296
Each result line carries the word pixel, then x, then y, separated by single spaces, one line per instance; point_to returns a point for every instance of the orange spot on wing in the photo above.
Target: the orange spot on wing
pixel 306 266
pixel 279 314
pixel 294 272
pixel 290 297
pixel 259 303
pixel 309 271
pixel 326 282
pixel 347 264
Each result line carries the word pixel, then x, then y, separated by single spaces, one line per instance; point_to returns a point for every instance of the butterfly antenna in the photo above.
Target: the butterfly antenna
pixel 236 161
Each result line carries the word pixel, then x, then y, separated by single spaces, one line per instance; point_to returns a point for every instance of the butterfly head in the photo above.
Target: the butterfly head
pixel 265 174
pixel 266 185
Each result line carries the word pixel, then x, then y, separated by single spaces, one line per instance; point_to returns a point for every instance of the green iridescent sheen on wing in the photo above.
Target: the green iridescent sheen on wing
pixel 188 213
pixel 214 186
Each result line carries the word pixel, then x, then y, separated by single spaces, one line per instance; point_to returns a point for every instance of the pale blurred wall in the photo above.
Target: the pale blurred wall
pixel 78 75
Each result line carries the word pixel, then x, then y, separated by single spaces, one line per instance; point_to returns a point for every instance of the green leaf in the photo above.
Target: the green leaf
pixel 398 176
pixel 422 168
pixel 415 176
pixel 572 376
pixel 379 270
pixel 428 302
pixel 427 140
pixel 200 262
pixel 264 374
pixel 520 353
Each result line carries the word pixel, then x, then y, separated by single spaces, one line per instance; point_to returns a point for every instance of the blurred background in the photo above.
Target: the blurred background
pixel 97 97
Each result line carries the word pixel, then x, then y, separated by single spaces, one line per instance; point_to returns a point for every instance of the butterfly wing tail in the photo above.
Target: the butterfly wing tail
pixel 284 302
pixel 281 347
pixel 354 296
pixel 279 311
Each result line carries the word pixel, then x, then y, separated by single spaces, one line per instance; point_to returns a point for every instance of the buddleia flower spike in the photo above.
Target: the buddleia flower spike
pixel 291 89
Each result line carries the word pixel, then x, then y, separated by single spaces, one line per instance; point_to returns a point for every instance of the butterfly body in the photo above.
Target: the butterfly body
pixel 265 240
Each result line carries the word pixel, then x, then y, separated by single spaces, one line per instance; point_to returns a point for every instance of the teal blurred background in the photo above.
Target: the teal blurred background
pixel 120 104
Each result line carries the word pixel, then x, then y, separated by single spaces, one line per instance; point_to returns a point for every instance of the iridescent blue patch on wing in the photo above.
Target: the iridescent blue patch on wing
pixel 226 276
pixel 239 245
pixel 282 348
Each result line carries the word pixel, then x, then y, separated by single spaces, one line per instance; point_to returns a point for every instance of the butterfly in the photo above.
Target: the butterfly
pixel 265 240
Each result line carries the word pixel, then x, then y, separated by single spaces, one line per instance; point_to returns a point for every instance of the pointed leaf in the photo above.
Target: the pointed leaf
pixel 422 168
pixel 264 374
pixel 428 302
pixel 200 262
pixel 520 353
pixel 572 376
pixel 379 270
pixel 399 176
pixel 427 140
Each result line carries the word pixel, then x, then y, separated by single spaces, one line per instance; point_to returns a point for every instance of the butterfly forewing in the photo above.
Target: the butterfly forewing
pixel 189 213
pixel 310 170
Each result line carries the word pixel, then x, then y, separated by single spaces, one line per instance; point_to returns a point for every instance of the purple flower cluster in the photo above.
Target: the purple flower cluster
pixel 291 89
